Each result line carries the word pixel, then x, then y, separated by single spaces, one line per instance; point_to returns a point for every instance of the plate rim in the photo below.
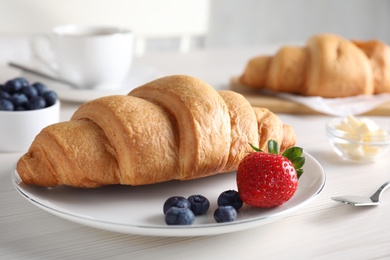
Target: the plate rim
pixel 173 231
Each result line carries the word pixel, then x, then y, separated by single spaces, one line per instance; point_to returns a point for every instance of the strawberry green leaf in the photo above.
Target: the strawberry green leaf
pixel 299 172
pixel 273 147
pixel 293 152
pixel 298 162
pixel 255 148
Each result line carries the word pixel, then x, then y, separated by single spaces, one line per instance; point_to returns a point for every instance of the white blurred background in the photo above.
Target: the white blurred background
pixel 248 22
pixel 186 25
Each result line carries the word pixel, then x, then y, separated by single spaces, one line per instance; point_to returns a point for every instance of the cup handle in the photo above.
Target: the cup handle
pixel 42 49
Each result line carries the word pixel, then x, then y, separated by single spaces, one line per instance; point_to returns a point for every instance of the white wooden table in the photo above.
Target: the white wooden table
pixel 322 229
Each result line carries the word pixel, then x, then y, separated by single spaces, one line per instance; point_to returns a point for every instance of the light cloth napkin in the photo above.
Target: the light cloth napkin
pixel 339 106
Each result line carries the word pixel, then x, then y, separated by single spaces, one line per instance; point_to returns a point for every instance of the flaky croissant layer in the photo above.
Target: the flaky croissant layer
pixel 174 128
pixel 328 66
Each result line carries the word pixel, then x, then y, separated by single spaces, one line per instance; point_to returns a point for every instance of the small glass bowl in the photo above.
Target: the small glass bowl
pixel 353 147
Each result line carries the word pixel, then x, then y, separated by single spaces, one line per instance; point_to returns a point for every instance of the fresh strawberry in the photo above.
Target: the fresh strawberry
pixel 268 180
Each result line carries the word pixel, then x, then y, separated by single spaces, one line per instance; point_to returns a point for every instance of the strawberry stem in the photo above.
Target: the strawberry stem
pixel 294 154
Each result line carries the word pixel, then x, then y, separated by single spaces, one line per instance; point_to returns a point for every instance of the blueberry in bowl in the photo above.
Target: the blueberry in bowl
pixel 19 95
pixel 25 109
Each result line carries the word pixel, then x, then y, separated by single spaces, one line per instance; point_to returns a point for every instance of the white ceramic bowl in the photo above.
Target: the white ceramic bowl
pixel 353 147
pixel 19 128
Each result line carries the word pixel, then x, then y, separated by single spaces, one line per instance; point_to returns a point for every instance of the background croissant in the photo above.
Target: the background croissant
pixel 176 127
pixel 328 66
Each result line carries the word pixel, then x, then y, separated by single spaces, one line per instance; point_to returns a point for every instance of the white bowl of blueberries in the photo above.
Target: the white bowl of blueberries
pixel 25 109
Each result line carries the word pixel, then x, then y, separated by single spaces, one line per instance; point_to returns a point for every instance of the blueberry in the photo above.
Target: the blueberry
pixel 41 88
pixel 19 108
pixel 50 97
pixel 19 100
pixel 22 81
pixel 6 105
pixel 4 94
pixel 176 201
pixel 12 86
pixel 199 204
pixel 179 216
pixel 36 103
pixel 29 91
pixel 230 198
pixel 15 85
pixel 225 214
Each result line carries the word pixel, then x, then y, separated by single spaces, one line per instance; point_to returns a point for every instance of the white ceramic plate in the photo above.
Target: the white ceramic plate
pixel 138 210
pixel 138 76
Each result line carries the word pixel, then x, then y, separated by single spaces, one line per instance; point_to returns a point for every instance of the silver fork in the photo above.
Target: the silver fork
pixel 362 200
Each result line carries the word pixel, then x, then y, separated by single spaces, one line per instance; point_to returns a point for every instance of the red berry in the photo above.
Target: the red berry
pixel 266 180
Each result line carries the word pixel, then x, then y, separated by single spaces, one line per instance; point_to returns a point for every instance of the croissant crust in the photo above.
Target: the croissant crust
pixel 328 66
pixel 174 128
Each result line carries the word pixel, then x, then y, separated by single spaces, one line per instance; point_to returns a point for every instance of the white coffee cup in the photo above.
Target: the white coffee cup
pixel 91 57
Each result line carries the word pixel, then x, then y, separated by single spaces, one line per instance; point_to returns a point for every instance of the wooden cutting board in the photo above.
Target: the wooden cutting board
pixel 279 105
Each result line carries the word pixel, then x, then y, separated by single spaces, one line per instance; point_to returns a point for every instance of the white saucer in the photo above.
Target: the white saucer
pixel 137 77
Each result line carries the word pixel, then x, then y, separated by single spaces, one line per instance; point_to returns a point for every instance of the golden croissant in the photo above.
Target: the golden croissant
pixel 173 128
pixel 328 66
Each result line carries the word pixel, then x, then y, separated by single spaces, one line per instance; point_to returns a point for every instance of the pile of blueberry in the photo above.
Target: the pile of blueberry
pixel 19 95
pixel 179 210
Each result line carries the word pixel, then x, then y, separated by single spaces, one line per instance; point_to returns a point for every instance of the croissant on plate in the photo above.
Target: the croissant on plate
pixel 173 128
pixel 328 66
